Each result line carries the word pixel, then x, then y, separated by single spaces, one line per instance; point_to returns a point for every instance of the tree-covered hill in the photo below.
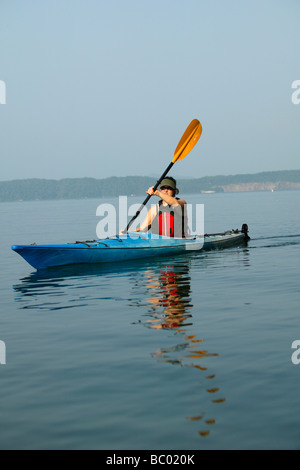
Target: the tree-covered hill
pixel 78 188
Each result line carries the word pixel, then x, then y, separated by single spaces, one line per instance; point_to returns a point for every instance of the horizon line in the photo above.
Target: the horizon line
pixel 142 176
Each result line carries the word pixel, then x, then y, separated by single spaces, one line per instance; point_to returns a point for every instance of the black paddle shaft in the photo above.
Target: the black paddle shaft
pixel 148 197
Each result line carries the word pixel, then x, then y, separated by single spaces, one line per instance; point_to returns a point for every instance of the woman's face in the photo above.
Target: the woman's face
pixel 167 190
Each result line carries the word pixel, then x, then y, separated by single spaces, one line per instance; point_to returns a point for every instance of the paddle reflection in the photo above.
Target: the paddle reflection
pixel 170 307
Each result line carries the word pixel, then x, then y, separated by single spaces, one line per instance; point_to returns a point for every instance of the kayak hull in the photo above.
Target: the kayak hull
pixel 123 248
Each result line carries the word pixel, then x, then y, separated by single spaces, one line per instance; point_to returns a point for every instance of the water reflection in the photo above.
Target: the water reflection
pixel 170 307
pixel 169 298
pixel 71 286
pixel 163 293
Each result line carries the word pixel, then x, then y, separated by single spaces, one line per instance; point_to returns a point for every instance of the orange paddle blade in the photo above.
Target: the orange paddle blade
pixel 188 140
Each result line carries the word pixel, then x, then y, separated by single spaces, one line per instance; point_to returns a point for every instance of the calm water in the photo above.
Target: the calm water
pixel 192 352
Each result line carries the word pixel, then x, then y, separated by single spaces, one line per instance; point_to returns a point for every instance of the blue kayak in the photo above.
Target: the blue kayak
pixel 123 248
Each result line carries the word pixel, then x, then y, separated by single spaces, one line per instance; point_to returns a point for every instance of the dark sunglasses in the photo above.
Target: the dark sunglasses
pixel 167 187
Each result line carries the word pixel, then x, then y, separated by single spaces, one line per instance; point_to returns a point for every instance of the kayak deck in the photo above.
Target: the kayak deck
pixel 123 248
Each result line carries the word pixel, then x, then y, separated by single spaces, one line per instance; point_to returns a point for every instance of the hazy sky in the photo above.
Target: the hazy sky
pixel 107 87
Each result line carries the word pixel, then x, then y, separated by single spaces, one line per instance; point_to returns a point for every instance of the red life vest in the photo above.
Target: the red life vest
pixel 169 222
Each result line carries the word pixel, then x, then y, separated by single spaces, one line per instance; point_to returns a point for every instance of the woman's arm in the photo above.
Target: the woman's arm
pixel 170 200
pixel 146 224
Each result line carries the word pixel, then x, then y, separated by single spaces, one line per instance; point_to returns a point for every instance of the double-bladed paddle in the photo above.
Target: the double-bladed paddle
pixel 185 145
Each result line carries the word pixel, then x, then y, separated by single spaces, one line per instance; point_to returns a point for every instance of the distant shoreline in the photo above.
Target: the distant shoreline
pixel 89 188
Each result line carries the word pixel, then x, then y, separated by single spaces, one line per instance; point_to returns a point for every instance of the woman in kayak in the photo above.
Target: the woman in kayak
pixel 167 217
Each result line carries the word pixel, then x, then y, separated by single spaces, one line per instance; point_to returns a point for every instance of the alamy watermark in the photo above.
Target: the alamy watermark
pixel 2 92
pixel 114 219
pixel 2 352
pixel 296 354
pixel 296 94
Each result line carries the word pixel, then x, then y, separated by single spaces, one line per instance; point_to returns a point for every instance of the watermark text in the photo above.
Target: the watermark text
pixel 2 92
pixel 114 219
pixel 296 94
pixel 2 352
pixel 296 354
